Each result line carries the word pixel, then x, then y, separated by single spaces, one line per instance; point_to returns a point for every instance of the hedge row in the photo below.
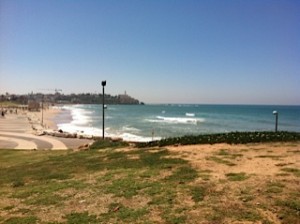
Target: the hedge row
pixel 230 138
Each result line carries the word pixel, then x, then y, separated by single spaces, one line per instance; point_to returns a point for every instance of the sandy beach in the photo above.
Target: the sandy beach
pixel 48 117
pixel 23 130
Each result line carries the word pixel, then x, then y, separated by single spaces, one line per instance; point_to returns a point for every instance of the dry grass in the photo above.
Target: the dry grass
pixel 174 185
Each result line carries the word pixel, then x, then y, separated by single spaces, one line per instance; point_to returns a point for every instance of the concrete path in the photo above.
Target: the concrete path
pixel 31 141
pixel 16 133
pixel 17 143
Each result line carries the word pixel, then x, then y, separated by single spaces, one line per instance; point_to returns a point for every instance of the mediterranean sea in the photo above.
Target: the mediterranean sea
pixel 151 122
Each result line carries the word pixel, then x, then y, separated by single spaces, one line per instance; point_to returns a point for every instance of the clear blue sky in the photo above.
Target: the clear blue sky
pixel 215 51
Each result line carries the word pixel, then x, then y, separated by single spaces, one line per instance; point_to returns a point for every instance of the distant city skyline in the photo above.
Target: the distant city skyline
pixel 202 52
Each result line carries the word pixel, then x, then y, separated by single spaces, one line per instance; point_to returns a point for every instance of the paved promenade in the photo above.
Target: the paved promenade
pixel 16 133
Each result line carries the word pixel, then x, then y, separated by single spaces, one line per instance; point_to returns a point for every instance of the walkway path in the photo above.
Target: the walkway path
pixel 16 133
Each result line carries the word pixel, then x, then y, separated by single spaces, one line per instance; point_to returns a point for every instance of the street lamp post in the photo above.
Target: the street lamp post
pixel 42 110
pixel 276 120
pixel 103 85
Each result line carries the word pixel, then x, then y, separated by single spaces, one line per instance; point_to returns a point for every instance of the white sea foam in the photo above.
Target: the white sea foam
pixel 96 132
pixel 190 114
pixel 74 129
pixel 81 125
pixel 177 120
pixel 130 129
pixel 80 116
pixel 136 138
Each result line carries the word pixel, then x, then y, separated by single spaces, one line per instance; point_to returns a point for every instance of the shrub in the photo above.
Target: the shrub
pixel 107 143
pixel 230 138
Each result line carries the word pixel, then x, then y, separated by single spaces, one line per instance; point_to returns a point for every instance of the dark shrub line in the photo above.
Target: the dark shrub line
pixel 230 138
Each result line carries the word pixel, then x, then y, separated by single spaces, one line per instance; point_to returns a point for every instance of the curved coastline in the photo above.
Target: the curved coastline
pixel 149 124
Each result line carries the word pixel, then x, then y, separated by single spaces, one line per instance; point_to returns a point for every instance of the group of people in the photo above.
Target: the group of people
pixel 3 112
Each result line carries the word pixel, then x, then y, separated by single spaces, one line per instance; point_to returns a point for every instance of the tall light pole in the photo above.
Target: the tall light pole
pixel 42 110
pixel 103 83
pixel 276 120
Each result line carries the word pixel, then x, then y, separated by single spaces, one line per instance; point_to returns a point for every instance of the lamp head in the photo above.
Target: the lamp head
pixel 103 83
pixel 275 112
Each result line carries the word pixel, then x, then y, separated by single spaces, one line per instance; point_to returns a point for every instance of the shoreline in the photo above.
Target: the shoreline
pixel 148 123
pixel 56 115
pixel 48 117
pixel 23 130
pixel 51 118
pixel 51 121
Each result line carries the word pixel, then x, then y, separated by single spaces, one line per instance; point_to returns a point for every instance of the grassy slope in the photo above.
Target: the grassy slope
pixel 8 104
pixel 136 186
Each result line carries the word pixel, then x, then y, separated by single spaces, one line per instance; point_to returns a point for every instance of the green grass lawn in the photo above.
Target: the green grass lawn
pixel 149 185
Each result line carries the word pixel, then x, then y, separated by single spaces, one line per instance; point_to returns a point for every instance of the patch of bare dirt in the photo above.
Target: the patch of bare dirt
pixel 257 159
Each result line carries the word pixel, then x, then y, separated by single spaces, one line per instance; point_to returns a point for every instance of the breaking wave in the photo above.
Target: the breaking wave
pixel 190 114
pixel 177 120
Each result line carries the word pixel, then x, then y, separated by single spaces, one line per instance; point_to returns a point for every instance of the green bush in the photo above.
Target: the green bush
pixel 107 143
pixel 230 138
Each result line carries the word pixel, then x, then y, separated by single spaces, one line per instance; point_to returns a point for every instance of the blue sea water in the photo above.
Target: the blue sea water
pixel 148 122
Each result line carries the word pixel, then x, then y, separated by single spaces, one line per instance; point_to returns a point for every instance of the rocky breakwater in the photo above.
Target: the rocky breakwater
pixel 35 123
pixel 41 129
pixel 59 133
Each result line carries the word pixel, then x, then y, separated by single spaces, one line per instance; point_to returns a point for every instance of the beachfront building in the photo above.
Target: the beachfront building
pixel 33 105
